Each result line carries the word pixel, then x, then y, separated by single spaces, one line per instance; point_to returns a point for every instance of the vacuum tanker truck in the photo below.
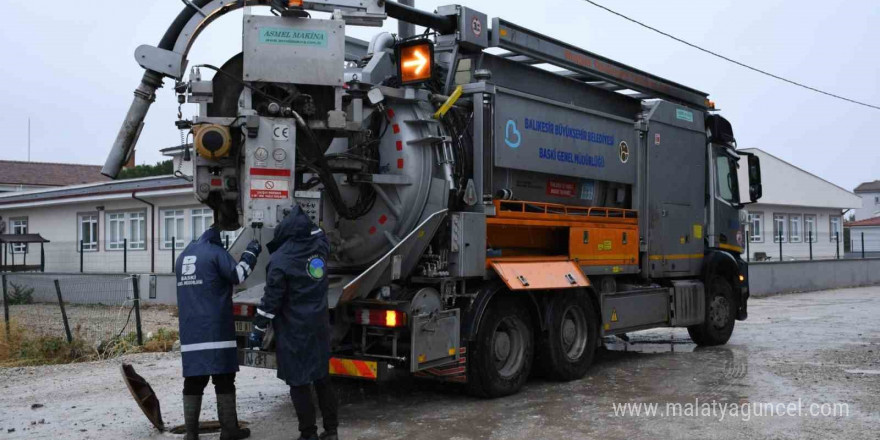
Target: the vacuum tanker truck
pixel 497 201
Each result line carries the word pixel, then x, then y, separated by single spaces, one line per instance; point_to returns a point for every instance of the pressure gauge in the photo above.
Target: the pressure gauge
pixel 279 155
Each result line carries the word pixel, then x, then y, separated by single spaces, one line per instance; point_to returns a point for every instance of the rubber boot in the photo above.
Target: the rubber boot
pixel 192 407
pixel 326 435
pixel 228 416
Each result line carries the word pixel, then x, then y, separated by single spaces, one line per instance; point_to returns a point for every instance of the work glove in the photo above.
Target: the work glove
pixel 255 339
pixel 252 253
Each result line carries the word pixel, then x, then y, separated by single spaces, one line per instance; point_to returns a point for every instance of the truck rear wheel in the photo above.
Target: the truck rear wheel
pixel 720 315
pixel 569 345
pixel 500 359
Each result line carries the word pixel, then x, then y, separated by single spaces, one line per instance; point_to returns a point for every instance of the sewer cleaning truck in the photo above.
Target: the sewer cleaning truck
pixel 497 201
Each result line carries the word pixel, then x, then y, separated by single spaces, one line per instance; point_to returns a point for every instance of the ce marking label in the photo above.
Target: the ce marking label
pixel 281 133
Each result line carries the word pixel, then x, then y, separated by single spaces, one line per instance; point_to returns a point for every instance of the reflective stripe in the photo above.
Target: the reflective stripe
pixel 208 346
pixel 243 270
pixel 268 315
pixel 249 252
pixel 317 231
pixel 260 329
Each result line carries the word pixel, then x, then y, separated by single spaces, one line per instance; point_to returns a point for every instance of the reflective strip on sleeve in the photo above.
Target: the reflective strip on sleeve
pixel 208 346
pixel 243 270
pixel 317 231
pixel 267 315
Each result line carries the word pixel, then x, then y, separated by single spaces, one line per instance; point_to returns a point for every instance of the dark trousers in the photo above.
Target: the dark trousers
pixel 305 407
pixel 195 385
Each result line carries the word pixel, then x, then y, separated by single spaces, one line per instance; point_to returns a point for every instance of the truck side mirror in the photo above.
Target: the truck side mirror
pixel 756 190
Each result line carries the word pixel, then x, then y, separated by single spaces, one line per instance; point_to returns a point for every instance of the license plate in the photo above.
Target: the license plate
pixel 257 359
pixel 244 327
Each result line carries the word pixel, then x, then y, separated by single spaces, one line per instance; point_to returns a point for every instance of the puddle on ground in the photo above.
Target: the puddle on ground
pixel 868 372
pixel 650 345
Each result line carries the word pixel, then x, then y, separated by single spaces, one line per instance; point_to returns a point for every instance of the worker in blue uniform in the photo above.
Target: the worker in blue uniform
pixel 206 274
pixel 295 303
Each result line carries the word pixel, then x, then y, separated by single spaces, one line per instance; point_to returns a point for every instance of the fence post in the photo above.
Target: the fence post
pixel 63 312
pixel 42 258
pixel 5 308
pixel 173 254
pixel 811 245
pixel 748 254
pixel 136 289
pixel 780 245
pixel 227 242
pixel 125 255
pixel 82 254
pixel 863 245
pixel 837 243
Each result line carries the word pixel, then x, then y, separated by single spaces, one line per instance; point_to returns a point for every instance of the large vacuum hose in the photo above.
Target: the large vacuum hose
pixel 144 96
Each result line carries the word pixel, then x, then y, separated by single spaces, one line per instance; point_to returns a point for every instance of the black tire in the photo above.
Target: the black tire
pixel 568 347
pixel 720 314
pixel 500 359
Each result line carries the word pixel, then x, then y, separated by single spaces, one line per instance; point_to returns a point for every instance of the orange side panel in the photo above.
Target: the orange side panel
pixel 592 246
pixel 540 275
pixel 353 368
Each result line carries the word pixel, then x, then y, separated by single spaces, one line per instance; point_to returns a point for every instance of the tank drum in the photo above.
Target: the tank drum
pixel 408 162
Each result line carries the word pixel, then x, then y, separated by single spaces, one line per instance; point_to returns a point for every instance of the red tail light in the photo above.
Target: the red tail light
pixel 381 318
pixel 244 310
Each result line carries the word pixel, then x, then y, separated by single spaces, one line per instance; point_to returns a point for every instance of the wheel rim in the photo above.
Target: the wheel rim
pixel 508 346
pixel 573 333
pixel 719 312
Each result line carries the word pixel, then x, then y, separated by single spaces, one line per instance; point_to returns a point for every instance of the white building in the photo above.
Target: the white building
pixel 799 210
pixel 865 233
pixel 870 194
pixel 135 225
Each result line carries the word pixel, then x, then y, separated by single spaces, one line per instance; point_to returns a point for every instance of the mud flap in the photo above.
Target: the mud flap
pixel 144 396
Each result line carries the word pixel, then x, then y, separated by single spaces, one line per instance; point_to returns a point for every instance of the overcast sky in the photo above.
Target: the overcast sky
pixel 70 68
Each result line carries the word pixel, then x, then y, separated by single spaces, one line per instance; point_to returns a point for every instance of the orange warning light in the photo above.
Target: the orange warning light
pixel 294 4
pixel 416 61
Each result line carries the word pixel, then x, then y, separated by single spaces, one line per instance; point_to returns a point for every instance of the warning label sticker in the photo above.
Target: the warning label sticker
pixel 561 189
pixel 270 189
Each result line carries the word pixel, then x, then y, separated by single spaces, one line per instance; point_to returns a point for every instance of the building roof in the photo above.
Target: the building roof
pixel 788 185
pixel 866 222
pixel 869 187
pixel 48 174
pixel 102 190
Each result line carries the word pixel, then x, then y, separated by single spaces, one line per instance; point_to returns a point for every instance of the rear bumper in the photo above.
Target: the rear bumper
pixel 375 371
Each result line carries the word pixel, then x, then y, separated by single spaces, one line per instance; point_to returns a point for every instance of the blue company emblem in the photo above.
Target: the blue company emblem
pixel 316 268
pixel 511 133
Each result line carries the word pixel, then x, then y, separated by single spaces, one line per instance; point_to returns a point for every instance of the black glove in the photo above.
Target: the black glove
pixel 252 253
pixel 255 339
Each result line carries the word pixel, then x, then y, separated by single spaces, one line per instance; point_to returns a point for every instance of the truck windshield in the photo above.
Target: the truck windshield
pixel 727 185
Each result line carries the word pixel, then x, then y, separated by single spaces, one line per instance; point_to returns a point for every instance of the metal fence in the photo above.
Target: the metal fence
pixel 807 246
pixel 157 256
pixel 95 310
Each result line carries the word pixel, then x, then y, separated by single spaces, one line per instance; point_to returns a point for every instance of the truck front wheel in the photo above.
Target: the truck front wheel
pixel 567 350
pixel 500 359
pixel 720 314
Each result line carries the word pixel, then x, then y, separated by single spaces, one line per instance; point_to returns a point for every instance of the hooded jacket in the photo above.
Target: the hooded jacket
pixel 295 299
pixel 206 274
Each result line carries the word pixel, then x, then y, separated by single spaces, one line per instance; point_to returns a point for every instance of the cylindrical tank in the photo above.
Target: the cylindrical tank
pixel 408 167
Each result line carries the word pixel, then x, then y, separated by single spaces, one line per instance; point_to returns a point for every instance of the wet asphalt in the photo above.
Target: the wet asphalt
pixel 797 353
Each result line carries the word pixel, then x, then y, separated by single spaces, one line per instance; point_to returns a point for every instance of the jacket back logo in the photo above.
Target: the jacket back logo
pixel 189 265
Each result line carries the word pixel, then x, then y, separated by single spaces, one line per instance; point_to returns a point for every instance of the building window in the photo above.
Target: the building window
pixel 126 225
pixel 779 229
pixel 202 219
pixel 88 233
pixel 835 228
pixel 795 228
pixel 137 230
pixel 756 228
pixel 18 226
pixel 173 225
pixel 115 231
pixel 810 232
